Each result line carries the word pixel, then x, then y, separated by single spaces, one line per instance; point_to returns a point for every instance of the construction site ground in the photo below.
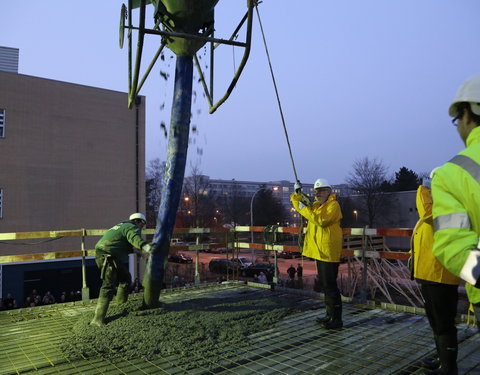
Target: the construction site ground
pixel 372 341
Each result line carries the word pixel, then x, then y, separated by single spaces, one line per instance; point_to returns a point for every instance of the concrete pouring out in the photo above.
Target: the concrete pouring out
pixel 194 329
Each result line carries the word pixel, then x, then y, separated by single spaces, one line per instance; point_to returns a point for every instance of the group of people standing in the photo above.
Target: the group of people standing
pixel 445 241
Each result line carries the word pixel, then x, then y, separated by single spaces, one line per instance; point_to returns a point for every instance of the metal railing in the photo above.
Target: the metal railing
pixel 372 269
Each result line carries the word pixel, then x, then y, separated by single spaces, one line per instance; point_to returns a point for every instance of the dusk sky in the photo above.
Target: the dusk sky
pixel 356 78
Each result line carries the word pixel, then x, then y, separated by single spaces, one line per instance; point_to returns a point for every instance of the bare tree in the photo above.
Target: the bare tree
pixel 234 205
pixel 366 179
pixel 268 209
pixel 197 201
pixel 154 182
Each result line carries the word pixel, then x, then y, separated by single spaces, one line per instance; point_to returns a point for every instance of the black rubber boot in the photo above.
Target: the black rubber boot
pixel 100 312
pixel 440 371
pixel 432 363
pixel 324 319
pixel 447 353
pixel 328 311
pixel 476 310
pixel 336 321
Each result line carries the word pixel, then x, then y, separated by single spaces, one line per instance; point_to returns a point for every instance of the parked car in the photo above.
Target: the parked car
pixel 242 262
pixel 267 268
pixel 177 242
pixel 180 258
pixel 221 265
pixel 288 254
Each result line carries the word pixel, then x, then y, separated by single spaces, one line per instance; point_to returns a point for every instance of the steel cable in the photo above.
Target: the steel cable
pixel 277 95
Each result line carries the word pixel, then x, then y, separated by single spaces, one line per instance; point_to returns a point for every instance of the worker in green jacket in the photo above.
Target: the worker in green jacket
pixel 111 256
pixel 323 242
pixel 456 196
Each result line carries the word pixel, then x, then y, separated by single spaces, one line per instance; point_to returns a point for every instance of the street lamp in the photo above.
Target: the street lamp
pixel 355 212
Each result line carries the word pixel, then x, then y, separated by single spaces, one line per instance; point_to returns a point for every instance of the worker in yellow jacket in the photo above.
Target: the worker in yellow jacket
pixel 323 242
pixel 439 287
pixel 456 196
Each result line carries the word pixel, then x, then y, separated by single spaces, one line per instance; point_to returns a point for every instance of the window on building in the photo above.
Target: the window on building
pixel 1 203
pixel 2 123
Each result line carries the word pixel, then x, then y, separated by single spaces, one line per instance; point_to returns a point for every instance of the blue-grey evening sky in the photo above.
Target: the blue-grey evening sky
pixel 356 78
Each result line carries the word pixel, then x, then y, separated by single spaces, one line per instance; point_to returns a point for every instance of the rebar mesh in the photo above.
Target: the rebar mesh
pixel 373 341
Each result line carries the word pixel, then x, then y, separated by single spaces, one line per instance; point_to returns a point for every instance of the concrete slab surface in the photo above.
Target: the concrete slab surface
pixel 372 341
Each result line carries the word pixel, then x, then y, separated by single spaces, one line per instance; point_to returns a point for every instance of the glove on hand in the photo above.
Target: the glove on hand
pixel 470 271
pixel 147 248
pixel 297 186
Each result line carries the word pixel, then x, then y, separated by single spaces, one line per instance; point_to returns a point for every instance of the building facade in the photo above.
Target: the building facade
pixel 72 157
pixel 281 190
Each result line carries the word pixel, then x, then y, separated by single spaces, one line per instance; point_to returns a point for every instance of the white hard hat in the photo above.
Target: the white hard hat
pixel 321 182
pixel 137 216
pixel 468 92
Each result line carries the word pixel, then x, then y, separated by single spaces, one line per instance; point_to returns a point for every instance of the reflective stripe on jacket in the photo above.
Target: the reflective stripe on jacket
pixel 456 209
pixel 120 240
pixel 425 265
pixel 323 240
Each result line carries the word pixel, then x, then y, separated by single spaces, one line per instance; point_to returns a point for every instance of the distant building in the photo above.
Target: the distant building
pixel 399 210
pixel 247 189
pixel 72 156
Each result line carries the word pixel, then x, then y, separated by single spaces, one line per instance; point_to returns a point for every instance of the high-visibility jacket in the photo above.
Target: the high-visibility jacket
pixel 120 240
pixel 425 265
pixel 323 240
pixel 456 209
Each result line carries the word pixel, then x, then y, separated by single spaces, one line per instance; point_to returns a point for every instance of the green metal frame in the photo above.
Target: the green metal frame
pixel 181 43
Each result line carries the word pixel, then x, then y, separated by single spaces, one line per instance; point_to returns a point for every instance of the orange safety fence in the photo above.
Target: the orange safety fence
pixel 359 248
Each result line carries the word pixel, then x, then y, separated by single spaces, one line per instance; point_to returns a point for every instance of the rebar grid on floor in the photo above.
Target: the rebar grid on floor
pixel 373 341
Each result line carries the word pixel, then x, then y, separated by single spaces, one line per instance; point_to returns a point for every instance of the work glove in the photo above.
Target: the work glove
pixel 147 248
pixel 470 271
pixel 297 186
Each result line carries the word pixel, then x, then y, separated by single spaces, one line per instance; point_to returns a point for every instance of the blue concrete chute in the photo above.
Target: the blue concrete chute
pixel 173 180
pixel 184 26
